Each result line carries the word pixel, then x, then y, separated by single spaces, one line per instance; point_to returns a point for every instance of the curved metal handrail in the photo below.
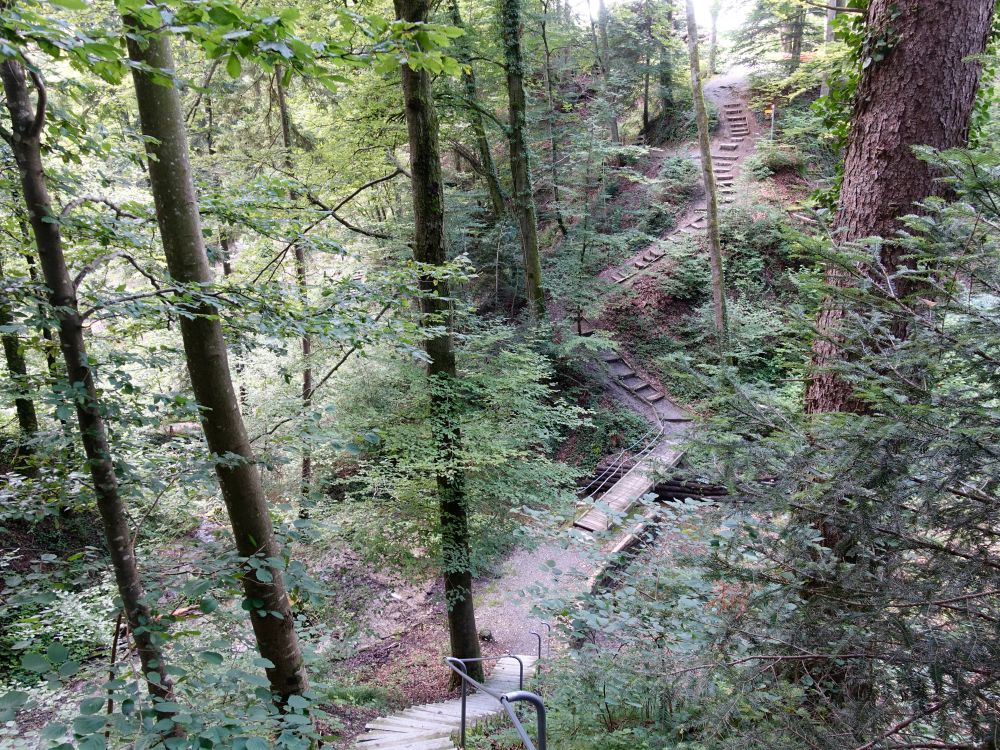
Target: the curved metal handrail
pixel 505 699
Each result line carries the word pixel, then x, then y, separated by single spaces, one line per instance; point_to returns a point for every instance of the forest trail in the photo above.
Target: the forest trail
pixel 734 141
pixel 504 604
pixel 432 726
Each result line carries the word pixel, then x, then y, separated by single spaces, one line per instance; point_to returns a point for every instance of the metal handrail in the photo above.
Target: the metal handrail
pixel 505 699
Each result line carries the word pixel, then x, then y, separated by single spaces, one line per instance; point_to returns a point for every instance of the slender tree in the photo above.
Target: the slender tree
pixel 713 37
pixel 429 249
pixel 551 117
pixel 520 160
pixel 487 164
pixel 25 138
pixel 17 369
pixel 605 63
pixel 712 208
pixel 832 9
pixel 301 278
pixel 173 191
pixel 922 93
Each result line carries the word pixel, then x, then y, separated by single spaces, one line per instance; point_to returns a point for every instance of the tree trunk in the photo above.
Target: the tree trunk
pixel 922 93
pixel 17 368
pixel 301 278
pixel 172 186
pixel 429 248
pixel 551 120
pixel 713 40
pixel 712 209
pixel 831 16
pixel 605 60
pixel 520 161
pixel 666 75
pixel 489 167
pixel 26 128
pixel 798 30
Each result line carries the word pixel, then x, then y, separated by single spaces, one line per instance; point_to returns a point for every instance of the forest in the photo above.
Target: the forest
pixel 500 374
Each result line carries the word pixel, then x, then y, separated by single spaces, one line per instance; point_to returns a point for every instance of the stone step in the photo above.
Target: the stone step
pixel 611 356
pixel 730 146
pixel 657 396
pixel 640 264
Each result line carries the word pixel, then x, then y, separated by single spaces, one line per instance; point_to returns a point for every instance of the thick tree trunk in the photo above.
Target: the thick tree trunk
pixel 712 209
pixel 26 122
pixel 489 167
pixel 301 278
pixel 921 94
pixel 429 248
pixel 520 160
pixel 172 186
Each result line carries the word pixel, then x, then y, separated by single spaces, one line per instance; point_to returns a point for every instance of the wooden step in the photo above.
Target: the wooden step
pixel 408 743
pixel 640 264
pixel 655 397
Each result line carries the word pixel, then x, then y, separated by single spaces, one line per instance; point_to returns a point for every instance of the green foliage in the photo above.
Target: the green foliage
pixel 770 158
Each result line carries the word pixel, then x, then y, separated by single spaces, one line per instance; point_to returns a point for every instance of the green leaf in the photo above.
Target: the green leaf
pixel 264 575
pixel 208 605
pixel 70 4
pixel 256 743
pixel 234 67
pixel 212 657
pixel 57 653
pixel 91 705
pixel 13 699
pixel 88 724
pixel 35 663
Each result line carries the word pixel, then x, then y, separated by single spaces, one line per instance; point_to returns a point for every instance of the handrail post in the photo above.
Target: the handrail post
pixel 520 665
pixel 539 637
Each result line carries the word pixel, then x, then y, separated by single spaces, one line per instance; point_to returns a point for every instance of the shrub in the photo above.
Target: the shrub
pixel 771 158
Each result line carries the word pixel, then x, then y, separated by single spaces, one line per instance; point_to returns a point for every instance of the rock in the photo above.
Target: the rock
pixel 486 635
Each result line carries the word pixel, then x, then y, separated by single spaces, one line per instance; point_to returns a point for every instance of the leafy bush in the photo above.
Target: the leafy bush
pixel 771 158
pixel 689 278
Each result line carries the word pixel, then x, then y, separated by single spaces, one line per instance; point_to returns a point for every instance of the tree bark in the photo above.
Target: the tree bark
pixel 605 61
pixel 301 278
pixel 831 16
pixel 551 120
pixel 798 31
pixel 712 209
pixel 713 40
pixel 171 182
pixel 922 93
pixel 429 248
pixel 17 369
pixel 489 168
pixel 26 129
pixel 520 160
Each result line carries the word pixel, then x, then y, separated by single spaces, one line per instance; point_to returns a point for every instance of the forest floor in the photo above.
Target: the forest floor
pixel 559 562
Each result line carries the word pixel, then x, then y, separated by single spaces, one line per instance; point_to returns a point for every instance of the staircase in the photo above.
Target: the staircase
pixel 729 152
pixel 434 726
